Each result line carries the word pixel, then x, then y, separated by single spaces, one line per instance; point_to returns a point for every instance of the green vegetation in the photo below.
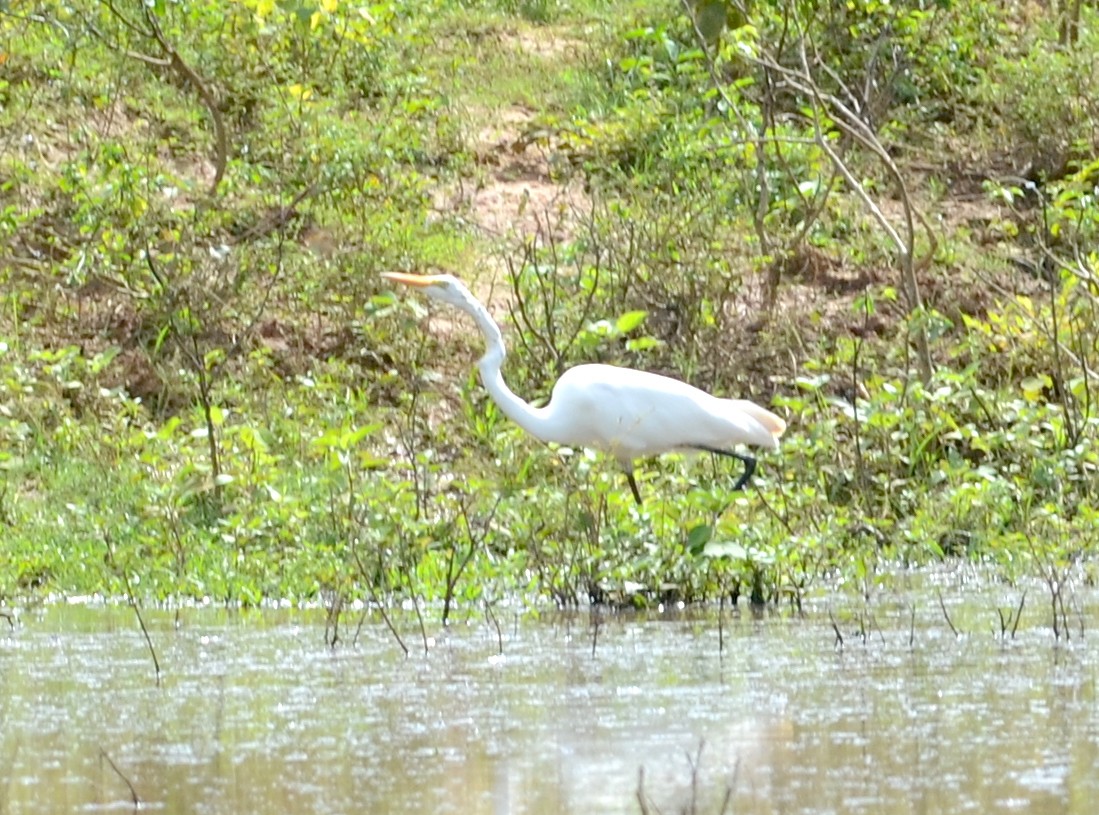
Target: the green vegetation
pixel 880 219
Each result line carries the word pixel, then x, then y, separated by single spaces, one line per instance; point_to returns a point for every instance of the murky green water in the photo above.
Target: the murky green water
pixel 256 715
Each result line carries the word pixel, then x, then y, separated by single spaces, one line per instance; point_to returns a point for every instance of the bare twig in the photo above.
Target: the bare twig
pixel 836 628
pixel 946 614
pixel 641 799
pixel 420 618
pixel 695 762
pixel 730 788
pixel 721 623
pixel 359 627
pixel 133 792
pixel 381 606
pixel 122 574
pixel 188 73
pixel 844 118
pixel 332 620
pixel 490 615
pixel 455 566
pixel 1018 615
pixel 391 627
pixel 171 58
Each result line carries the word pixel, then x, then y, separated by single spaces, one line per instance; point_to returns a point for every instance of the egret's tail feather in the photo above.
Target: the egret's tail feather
pixel 774 425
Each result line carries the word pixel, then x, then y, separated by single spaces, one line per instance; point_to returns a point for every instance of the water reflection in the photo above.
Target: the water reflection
pixel 254 714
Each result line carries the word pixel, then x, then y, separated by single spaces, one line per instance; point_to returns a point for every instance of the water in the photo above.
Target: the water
pixel 255 714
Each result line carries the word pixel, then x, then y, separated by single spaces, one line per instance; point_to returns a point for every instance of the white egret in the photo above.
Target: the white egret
pixel 623 412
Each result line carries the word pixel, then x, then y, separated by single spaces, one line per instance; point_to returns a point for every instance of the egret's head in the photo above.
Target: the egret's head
pixel 442 287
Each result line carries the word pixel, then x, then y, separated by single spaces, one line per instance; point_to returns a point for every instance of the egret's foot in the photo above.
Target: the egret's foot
pixel 749 468
pixel 749 464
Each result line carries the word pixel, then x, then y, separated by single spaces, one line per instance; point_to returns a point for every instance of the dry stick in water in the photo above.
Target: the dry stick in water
pixel 390 626
pixel 380 605
pixel 942 605
pixel 420 618
pixel 133 793
pixel 641 802
pixel 720 623
pixel 490 615
pixel 836 628
pixel 694 763
pixel 1012 618
pixel 874 624
pixel 133 604
pixel 359 627
pixel 1018 615
pixel 730 788
pixel 332 621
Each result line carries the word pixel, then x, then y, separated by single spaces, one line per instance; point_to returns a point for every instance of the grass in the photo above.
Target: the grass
pixel 212 395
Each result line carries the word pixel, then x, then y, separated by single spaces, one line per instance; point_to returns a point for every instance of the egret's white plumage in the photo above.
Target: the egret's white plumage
pixel 626 413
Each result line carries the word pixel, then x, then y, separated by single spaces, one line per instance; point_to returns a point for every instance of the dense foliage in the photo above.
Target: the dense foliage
pixel 878 218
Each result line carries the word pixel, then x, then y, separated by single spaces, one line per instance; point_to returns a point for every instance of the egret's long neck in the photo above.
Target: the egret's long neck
pixel 531 419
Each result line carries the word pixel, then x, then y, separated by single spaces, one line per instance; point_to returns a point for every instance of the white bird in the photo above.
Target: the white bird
pixel 626 413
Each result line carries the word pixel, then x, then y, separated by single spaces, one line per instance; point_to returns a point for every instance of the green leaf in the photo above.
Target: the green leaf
pixel 351 437
pixel 1034 385
pixel 698 538
pixel 330 439
pixel 161 336
pixel 643 344
pixel 630 320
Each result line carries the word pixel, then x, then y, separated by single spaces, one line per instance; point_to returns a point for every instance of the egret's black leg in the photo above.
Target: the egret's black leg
pixel 749 464
pixel 749 468
pixel 633 486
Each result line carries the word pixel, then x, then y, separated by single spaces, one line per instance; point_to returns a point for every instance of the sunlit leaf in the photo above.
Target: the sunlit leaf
pixel 1033 386
pixel 729 549
pixel 630 320
pixel 300 92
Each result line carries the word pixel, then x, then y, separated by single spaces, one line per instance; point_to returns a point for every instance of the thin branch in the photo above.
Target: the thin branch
pixel 133 792
pixel 946 614
pixel 390 626
pixel 641 800
pixel 836 628
pixel 188 73
pixel 126 21
pixel 420 618
pixel 694 762
pixel 173 60
pixel 721 622
pixel 381 606
pixel 490 615
pixel 121 572
pixel 1018 615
